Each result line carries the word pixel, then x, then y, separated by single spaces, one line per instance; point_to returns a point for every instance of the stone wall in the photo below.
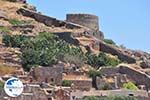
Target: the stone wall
pixel 139 77
pixel 62 95
pixel 51 75
pixel 31 92
pixel 114 51
pixel 140 95
pixel 109 71
pixel 86 20
pixel 67 36
pixel 49 21
pixel 83 85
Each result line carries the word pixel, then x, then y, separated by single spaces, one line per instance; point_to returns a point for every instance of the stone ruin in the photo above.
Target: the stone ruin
pixel 51 75
pixel 87 20
pixel 90 23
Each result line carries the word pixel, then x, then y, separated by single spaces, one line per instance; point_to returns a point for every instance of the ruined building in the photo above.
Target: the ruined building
pixel 87 20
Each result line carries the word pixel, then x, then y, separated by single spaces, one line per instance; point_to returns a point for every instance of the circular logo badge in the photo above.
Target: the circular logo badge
pixel 13 87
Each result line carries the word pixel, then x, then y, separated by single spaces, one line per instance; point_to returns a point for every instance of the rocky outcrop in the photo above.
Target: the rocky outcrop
pixel 22 1
pixel 67 36
pixel 19 1
pixel 137 76
pixel 23 28
pixel 114 51
pixel 145 64
pixel 3 15
pixel 10 55
pixel 49 21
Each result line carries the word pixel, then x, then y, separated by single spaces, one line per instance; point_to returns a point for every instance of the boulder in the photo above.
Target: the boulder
pixel 115 51
pixel 67 36
pixel 2 15
pixel 145 64
pixel 30 7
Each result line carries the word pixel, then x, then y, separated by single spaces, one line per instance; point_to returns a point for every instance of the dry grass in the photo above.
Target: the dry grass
pixel 6 69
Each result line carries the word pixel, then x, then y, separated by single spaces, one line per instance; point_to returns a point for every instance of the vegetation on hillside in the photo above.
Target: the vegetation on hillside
pixel 47 49
pixel 14 40
pixel 109 41
pixel 66 83
pixel 130 86
pixel 4 29
pixel 94 73
pixel 110 98
pixel 101 60
pixel 1 86
pixel 17 22
pixel 5 69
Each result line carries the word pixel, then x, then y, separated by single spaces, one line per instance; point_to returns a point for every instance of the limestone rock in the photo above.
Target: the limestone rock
pixel 2 15
pixel 114 51
pixel 145 64
pixel 47 74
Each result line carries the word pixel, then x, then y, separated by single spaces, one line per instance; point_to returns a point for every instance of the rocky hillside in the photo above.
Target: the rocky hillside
pixel 19 18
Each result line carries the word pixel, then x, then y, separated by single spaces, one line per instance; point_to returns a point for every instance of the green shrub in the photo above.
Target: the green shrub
pixel 94 73
pixel 14 40
pixel 75 56
pixel 1 85
pixel 17 22
pixel 4 29
pixel 109 41
pixel 130 86
pixel 112 62
pixel 109 98
pixel 96 60
pixel 66 83
pixel 47 49
pixel 101 60
pixel 106 86
pixel 120 98
pixel 91 98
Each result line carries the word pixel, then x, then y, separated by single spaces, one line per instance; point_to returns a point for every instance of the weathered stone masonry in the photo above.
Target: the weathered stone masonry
pixel 87 20
pixel 49 21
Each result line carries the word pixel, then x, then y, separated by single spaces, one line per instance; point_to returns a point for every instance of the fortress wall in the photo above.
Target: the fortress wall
pixel 139 77
pixel 87 20
pixel 114 51
pixel 49 21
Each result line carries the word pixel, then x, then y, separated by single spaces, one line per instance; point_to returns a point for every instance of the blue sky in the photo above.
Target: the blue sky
pixel 127 22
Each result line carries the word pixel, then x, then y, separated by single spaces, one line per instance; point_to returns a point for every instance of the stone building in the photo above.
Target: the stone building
pixel 79 82
pixel 52 75
pixel 62 94
pixel 87 20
